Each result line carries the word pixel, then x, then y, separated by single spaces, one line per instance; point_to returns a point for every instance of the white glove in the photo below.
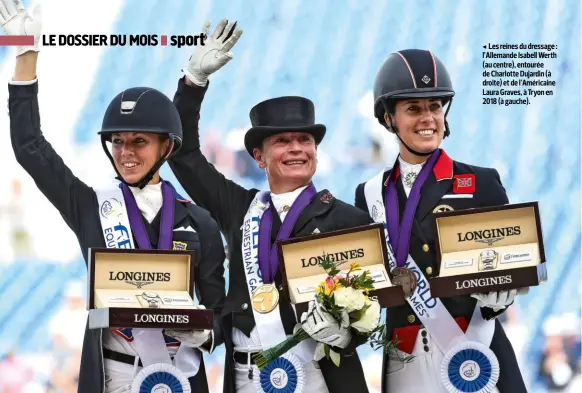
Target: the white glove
pixel 211 56
pixel 190 338
pixel 498 300
pixel 15 20
pixel 323 327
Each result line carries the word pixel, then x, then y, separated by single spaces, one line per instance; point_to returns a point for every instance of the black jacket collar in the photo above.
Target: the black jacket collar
pixel 320 205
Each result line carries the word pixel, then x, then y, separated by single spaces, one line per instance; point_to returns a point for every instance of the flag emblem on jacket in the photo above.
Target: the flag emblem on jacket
pixel 464 184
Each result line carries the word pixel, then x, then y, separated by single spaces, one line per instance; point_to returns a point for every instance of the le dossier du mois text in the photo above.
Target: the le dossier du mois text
pixel 122 40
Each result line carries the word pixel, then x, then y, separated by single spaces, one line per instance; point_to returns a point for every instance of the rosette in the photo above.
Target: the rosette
pixel 160 378
pixel 283 375
pixel 470 367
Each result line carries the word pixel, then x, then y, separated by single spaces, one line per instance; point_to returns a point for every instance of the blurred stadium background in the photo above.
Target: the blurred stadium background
pixel 328 51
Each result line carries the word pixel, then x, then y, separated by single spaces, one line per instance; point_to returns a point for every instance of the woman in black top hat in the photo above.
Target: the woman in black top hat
pixel 283 141
pixel 144 129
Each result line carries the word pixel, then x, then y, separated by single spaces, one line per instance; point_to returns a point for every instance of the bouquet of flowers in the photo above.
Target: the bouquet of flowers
pixel 339 294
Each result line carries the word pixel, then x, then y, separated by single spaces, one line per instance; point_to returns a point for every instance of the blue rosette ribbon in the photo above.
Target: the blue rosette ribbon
pixel 283 375
pixel 470 367
pixel 160 378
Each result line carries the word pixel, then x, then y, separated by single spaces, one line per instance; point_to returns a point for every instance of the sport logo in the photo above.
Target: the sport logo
pixel 374 212
pixel 279 378
pixel 377 212
pixel 108 208
pixel 469 370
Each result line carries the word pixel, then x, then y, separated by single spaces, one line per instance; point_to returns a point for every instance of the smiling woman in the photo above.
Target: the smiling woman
pixel 283 141
pixel 421 126
pixel 289 159
pixel 144 130
pixel 141 129
pixel 135 153
pixel 411 89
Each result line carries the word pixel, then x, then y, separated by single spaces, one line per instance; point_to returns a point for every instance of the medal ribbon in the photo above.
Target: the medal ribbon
pixel 166 219
pixel 431 312
pixel 268 255
pixel 269 325
pixel 456 346
pixel 149 342
pixel 400 234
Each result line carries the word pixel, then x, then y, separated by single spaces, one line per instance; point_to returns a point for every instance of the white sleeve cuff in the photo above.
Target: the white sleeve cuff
pixel 23 83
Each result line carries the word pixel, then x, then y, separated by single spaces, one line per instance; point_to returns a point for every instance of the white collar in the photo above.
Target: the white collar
pixel 149 200
pixel 150 188
pixel 283 202
pixel 406 167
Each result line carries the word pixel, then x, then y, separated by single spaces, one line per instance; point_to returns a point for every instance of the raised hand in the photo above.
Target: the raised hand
pixel 214 54
pixel 15 20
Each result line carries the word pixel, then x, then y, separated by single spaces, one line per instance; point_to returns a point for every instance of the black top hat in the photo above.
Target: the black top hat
pixel 282 114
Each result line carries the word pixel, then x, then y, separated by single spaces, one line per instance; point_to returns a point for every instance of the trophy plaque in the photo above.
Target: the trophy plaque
pixel 488 249
pixel 300 258
pixel 131 288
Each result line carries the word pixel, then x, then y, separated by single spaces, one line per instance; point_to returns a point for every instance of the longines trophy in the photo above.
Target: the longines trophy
pixel 488 249
pixel 143 288
pixel 300 259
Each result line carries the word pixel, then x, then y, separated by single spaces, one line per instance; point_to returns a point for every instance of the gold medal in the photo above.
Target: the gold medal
pixel 265 298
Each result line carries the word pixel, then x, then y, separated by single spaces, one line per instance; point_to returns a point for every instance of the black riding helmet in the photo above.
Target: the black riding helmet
pixel 411 73
pixel 142 109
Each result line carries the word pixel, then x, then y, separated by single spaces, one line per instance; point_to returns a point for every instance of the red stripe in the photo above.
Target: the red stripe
pixel 409 68
pixel 16 40
pixel 395 173
pixel 406 336
pixel 443 169
pixel 434 68
pixel 120 334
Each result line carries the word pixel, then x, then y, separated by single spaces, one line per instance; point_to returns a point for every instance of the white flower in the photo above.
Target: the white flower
pixel 371 318
pixel 349 298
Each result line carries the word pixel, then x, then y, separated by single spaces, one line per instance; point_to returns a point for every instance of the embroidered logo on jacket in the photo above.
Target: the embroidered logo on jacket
pixel 179 246
pixel 326 198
